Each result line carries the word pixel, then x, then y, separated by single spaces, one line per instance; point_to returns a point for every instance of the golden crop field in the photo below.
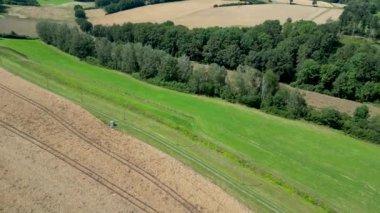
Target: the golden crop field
pixel 201 13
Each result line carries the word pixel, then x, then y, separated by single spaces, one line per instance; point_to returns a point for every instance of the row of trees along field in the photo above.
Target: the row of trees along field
pixel 113 6
pixel 246 85
pixel 81 19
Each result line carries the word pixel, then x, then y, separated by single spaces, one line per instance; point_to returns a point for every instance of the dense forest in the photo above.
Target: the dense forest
pixel 246 85
pixel 304 54
pixel 113 6
pixel 361 17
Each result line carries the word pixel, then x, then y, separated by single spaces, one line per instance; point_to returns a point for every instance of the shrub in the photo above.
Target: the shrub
pixel 361 112
pixel 329 117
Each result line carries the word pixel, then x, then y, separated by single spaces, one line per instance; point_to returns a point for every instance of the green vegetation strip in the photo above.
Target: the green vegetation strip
pixel 269 163
pixel 53 2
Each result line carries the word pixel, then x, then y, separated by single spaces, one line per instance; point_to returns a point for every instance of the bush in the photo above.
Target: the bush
pixel 84 24
pixel 328 117
pixel 296 105
pixel 79 12
pixel 361 113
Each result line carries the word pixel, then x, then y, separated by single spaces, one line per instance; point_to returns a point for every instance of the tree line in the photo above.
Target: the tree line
pixel 302 53
pixel 113 6
pixel 81 19
pixel 21 2
pixel 245 85
pixel 241 2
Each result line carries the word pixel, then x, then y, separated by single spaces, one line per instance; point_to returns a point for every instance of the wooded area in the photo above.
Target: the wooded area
pixel 303 54
pixel 246 85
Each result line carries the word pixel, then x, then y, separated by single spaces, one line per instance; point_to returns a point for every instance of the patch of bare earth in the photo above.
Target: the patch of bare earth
pixel 201 13
pixel 56 157
pixel 50 13
pixel 23 19
pixel 19 25
pixel 320 101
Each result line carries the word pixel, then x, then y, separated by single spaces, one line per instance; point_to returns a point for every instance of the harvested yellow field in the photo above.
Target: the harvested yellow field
pixel 305 3
pixel 201 13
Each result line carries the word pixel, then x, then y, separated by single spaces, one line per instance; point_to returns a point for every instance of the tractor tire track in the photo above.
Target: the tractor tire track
pixel 75 164
pixel 186 204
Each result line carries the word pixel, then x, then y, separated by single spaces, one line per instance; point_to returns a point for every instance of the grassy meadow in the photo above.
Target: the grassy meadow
pixel 269 163
pixel 53 2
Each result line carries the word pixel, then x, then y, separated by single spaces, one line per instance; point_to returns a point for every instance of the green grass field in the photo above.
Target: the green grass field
pixel 269 163
pixel 53 2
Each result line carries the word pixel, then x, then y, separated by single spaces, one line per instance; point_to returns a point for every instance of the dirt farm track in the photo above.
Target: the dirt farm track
pixel 56 157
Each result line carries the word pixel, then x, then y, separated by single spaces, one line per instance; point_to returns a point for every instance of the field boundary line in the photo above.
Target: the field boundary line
pixel 320 14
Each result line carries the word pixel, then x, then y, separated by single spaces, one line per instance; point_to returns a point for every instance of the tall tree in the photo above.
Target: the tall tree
pixel 269 86
pixel 308 72
pixel 184 68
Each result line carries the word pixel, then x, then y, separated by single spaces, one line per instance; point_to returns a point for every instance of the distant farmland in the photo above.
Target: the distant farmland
pixel 23 19
pixel 201 13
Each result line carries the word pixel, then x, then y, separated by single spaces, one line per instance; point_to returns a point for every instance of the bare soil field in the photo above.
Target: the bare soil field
pixel 19 25
pixel 51 13
pixel 320 101
pixel 56 157
pixel 201 13
pixel 23 19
